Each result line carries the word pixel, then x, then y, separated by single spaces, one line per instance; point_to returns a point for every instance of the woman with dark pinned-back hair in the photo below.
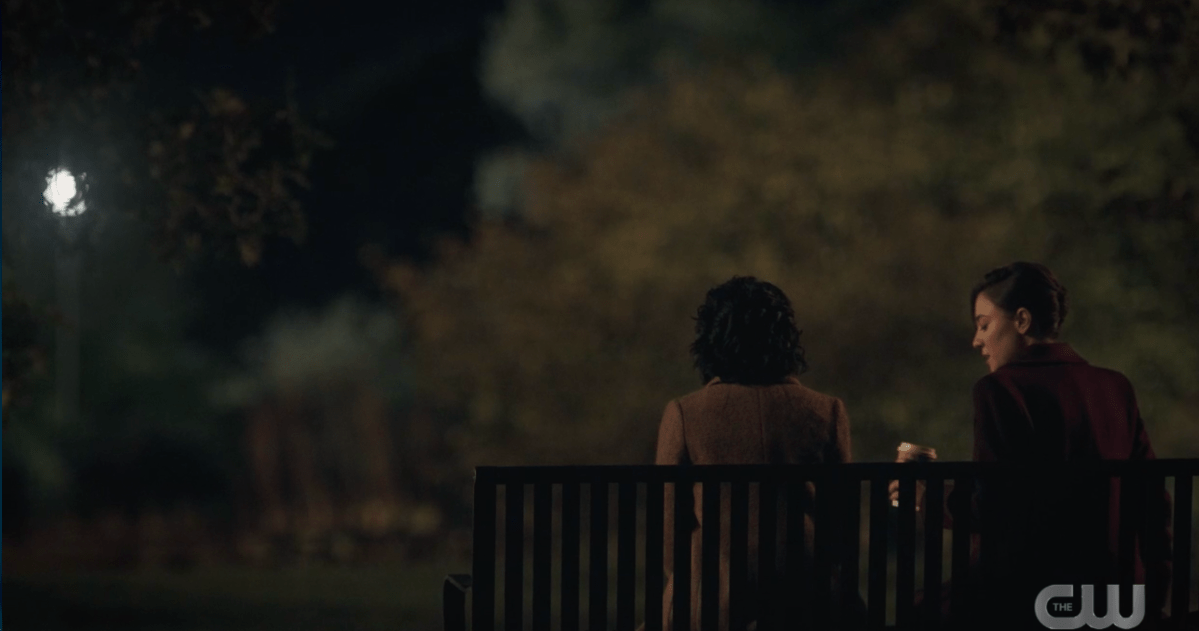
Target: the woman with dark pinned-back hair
pixel 752 409
pixel 1043 403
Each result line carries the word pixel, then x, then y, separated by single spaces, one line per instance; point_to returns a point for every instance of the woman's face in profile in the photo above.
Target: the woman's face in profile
pixel 995 333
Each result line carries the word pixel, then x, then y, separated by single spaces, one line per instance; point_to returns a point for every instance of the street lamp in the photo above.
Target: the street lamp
pixel 63 194
pixel 64 197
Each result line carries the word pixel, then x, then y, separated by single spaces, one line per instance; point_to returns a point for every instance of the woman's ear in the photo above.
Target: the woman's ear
pixel 1023 321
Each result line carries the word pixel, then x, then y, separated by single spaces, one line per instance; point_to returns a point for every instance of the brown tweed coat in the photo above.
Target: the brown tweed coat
pixel 723 423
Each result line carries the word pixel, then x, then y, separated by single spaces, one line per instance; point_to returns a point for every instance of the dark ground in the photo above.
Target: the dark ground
pixel 309 599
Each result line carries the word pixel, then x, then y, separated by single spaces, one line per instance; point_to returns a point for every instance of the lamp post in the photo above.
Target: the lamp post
pixel 64 197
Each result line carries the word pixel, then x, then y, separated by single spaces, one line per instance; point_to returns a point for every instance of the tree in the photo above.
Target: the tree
pixel 328 416
pixel 564 68
pixel 1123 40
pixel 874 192
pixel 141 376
pixel 81 90
pixel 208 171
pixel 25 354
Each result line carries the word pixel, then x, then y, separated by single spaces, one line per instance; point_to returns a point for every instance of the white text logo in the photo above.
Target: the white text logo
pixel 1086 615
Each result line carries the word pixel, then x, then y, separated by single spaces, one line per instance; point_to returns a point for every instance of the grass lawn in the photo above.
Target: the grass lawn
pixel 228 599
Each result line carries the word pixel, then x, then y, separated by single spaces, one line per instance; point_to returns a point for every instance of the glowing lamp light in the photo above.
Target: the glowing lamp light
pixel 62 193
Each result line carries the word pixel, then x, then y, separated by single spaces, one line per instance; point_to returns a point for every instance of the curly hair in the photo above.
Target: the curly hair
pixel 745 332
pixel 1028 285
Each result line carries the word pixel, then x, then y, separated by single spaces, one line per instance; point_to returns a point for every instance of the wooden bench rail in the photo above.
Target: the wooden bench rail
pixel 542 570
pixel 865 471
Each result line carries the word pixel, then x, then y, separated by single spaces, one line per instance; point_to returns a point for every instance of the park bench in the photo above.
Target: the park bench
pixel 543 581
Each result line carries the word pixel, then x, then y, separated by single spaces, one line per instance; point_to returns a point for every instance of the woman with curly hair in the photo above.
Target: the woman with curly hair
pixel 752 409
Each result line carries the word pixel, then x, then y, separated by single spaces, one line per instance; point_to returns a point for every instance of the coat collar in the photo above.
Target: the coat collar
pixel 791 380
pixel 1049 353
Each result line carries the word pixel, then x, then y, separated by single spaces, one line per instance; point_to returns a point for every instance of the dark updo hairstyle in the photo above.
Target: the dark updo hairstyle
pixel 745 333
pixel 1028 285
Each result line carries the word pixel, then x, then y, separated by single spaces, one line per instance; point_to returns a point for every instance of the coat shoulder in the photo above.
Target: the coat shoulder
pixel 726 393
pixel 813 398
pixel 1115 376
pixel 1012 376
pixel 1001 378
pixel 691 398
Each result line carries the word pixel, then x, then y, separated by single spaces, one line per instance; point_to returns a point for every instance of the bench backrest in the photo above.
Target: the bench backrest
pixel 537 525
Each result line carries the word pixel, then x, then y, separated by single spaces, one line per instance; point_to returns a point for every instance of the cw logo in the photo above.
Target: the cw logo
pixel 1087 613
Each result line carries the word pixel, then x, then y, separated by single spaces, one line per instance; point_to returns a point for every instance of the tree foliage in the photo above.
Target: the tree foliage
pixel 240 198
pixel 564 68
pixel 139 373
pixel 874 192
pixel 25 353
pixel 350 343
pixel 1124 40
pixel 226 173
pixel 209 172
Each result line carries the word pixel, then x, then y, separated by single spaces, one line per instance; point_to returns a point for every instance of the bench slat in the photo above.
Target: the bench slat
pixel 654 557
pixel 1180 599
pixel 597 569
pixel 824 540
pixel 850 543
pixel 683 519
pixel 1131 494
pixel 570 556
pixel 876 603
pixel 905 578
pixel 542 568
pixel 934 505
pixel 738 553
pixel 710 573
pixel 1155 488
pixel 767 546
pixel 483 553
pixel 514 540
pixel 798 603
pixel 963 489
pixel 626 562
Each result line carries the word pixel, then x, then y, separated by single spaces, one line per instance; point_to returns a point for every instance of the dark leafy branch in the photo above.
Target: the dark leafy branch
pixel 223 175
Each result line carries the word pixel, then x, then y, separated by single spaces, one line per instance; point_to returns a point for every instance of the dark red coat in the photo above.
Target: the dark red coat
pixel 1050 405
